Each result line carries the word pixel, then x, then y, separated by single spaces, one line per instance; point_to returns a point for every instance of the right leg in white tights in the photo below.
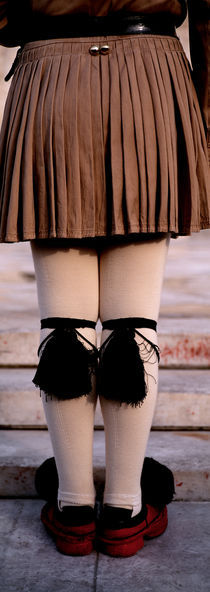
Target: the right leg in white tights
pixel 131 278
pixel 67 283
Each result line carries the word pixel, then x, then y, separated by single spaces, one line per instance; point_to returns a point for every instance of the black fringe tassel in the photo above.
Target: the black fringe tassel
pixel 157 483
pixel 121 375
pixel 65 365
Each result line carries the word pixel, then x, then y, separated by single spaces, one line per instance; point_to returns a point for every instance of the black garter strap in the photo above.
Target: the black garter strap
pixel 66 365
pixel 64 322
pixel 130 322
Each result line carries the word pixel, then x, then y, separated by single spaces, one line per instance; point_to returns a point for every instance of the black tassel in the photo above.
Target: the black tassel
pixel 65 365
pixel 121 374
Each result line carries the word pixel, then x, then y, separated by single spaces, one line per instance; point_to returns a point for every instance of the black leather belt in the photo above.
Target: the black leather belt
pixel 42 27
pixel 76 25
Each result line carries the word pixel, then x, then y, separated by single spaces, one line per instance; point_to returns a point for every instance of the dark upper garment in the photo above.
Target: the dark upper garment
pixel 198 11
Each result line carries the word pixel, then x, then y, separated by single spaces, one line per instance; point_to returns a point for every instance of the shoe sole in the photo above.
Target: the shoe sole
pixel 134 542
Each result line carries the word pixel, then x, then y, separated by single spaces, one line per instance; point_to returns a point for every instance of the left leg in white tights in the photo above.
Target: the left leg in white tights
pixel 67 283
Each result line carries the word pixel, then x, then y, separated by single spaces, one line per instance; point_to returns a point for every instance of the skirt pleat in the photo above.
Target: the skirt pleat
pixel 12 178
pixel 150 142
pixel 130 195
pixel 40 180
pixel 74 197
pixel 170 123
pixel 162 186
pixel 99 173
pixel 105 145
pixel 139 139
pixel 116 166
pixel 164 208
pixel 188 187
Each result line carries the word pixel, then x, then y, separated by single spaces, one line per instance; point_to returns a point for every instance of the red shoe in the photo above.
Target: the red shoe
pixel 73 529
pixel 122 536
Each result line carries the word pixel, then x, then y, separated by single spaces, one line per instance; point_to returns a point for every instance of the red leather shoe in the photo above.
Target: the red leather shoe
pixel 73 528
pixel 122 536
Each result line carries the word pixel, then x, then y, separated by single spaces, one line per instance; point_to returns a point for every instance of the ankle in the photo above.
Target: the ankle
pixel 130 502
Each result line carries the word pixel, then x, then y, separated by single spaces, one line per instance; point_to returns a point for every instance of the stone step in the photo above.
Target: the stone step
pixel 183 400
pixel 177 560
pixel 183 342
pixel 185 453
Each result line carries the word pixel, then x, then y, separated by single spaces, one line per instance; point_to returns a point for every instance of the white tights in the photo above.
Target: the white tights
pixel 118 281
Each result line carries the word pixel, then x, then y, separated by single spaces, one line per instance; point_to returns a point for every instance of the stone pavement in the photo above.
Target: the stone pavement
pixel 177 560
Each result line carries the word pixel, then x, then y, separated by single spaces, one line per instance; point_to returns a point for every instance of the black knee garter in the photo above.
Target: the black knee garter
pixel 65 364
pixel 121 375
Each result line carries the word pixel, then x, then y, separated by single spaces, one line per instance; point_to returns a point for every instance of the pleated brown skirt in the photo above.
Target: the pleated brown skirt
pixel 102 145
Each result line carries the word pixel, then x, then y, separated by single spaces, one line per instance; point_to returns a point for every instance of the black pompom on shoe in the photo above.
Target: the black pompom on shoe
pixel 157 482
pixel 46 480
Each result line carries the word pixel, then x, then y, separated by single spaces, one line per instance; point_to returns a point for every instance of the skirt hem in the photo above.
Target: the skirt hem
pixel 186 231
